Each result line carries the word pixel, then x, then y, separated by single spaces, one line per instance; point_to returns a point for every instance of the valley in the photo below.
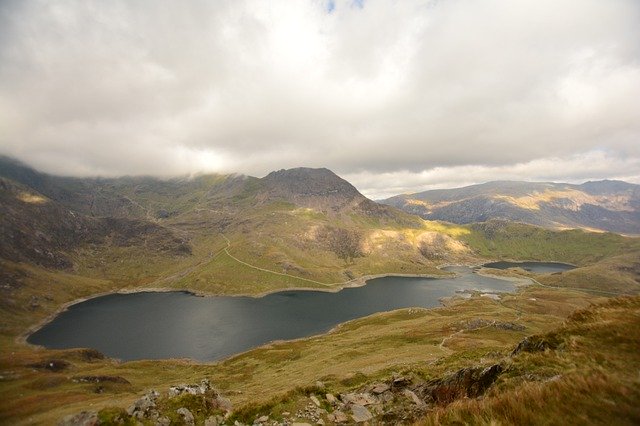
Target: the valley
pixel 68 239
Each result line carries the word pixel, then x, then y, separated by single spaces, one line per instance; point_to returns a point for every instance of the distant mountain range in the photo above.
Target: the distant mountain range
pixel 602 205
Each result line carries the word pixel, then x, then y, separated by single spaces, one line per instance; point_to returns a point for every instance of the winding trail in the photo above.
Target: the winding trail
pixel 455 333
pixel 449 337
pixel 226 250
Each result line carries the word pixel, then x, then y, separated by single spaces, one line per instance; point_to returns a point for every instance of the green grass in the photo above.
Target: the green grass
pixel 367 349
pixel 618 274
pixel 595 370
pixel 516 241
pixel 224 275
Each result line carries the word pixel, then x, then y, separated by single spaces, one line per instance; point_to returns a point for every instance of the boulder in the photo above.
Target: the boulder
pixel 331 399
pixel 222 403
pixel 534 344
pixel 360 414
pixel 144 406
pixel 400 382
pixel 163 421
pixel 411 395
pixel 84 418
pixel 201 389
pixel 214 421
pixel 379 388
pixel 358 398
pixel 315 400
pixel 186 415
pixel 468 382
pixel 338 417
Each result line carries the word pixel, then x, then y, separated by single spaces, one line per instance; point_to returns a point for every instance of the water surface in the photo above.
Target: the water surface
pixel 535 267
pixel 181 325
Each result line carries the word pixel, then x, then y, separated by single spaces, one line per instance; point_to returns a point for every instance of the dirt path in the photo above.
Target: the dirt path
pixel 226 250
pixel 455 333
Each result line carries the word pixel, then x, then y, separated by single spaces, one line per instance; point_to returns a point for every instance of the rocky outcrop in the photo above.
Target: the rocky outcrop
pixel 205 406
pixel 399 399
pixel 535 344
pixel 465 383
pixel 144 407
pixel 201 389
pixel 101 379
pixel 186 416
pixel 54 365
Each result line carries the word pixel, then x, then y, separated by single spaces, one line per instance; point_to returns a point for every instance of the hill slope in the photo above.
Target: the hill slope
pixel 40 231
pixel 605 205
pixel 292 228
pixel 68 238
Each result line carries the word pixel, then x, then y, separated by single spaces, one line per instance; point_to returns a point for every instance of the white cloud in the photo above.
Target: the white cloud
pixel 451 91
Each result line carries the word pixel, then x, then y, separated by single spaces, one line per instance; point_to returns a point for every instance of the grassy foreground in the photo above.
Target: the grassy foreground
pixel 426 342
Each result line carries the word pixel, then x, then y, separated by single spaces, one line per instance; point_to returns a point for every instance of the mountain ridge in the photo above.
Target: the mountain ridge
pixel 607 205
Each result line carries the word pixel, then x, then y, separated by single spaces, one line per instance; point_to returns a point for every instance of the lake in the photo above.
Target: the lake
pixel 159 325
pixel 535 267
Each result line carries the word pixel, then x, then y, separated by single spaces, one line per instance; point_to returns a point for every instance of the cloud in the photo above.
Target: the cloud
pixel 412 89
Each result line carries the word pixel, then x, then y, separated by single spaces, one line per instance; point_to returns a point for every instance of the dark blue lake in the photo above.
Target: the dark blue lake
pixel 181 325
pixel 535 267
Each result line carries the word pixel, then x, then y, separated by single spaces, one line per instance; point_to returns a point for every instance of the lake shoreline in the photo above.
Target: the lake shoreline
pixel 357 282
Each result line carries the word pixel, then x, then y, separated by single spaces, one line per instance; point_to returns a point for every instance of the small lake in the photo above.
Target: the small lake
pixel 535 267
pixel 181 325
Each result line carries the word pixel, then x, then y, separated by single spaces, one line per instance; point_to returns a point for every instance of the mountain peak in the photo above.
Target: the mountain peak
pixel 307 187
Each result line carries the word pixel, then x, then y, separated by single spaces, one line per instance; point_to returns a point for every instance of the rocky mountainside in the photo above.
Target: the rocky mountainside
pixel 321 190
pixel 38 230
pixel 130 197
pixel 153 198
pixel 314 205
pixel 604 205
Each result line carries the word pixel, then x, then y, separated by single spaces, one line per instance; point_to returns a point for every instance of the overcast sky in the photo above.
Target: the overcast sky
pixel 395 96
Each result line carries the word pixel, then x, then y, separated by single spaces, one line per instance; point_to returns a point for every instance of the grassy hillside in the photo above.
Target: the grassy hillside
pixel 508 240
pixel 420 342
pixel 588 377
pixel 619 274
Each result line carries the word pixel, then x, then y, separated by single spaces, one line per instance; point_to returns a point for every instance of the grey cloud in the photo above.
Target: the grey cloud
pixel 407 89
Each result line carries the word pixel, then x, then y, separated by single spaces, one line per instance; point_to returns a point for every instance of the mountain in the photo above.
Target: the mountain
pixel 309 223
pixel 603 205
pixel 63 239
pixel 38 230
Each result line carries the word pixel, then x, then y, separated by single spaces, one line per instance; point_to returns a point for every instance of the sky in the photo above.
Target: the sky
pixel 394 96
